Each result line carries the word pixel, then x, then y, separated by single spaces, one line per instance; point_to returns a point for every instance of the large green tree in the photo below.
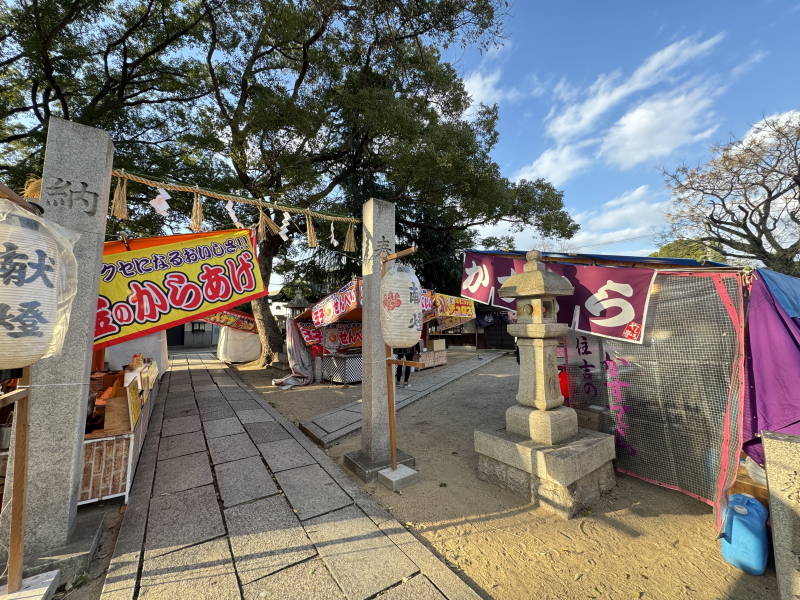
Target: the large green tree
pixel 290 100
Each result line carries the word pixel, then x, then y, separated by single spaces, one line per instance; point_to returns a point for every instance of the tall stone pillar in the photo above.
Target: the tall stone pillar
pixel 75 188
pixel 782 463
pixel 542 454
pixel 375 453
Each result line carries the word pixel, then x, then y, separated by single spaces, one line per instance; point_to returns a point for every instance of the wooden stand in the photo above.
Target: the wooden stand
pixel 16 545
pixel 390 362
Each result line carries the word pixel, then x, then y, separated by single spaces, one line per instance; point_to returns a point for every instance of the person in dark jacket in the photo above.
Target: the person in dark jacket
pixel 405 354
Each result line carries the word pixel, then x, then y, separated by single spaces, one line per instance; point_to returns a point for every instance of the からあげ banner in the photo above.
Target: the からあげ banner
pixel 164 282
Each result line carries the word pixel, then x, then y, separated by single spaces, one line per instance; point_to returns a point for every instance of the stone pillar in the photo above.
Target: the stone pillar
pixel 782 462
pixel 375 453
pixel 75 190
pixel 541 454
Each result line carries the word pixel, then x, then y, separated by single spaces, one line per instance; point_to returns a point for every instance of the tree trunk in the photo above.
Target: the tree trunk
pixel 268 332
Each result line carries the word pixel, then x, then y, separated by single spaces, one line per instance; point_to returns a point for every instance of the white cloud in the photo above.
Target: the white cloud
pixel 484 87
pixel 659 125
pixel 754 59
pixel 632 216
pixel 610 89
pixel 557 165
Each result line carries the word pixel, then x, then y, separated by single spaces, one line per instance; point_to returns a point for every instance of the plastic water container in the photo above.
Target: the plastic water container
pixel 744 542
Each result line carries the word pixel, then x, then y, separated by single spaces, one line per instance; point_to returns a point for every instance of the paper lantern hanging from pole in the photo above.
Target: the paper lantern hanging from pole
pixel 401 307
pixel 35 289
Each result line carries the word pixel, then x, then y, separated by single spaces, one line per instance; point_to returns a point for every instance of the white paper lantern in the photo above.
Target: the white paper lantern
pixel 401 307
pixel 30 272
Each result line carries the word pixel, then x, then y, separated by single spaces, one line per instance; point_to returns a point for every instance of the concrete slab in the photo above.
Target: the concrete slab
pixel 309 580
pixel 258 415
pixel 361 558
pixel 180 425
pixel 181 445
pixel 182 473
pixel 244 480
pixel 398 479
pixel 337 420
pixel 38 587
pixel 240 405
pixel 416 588
pixel 266 432
pixel 285 454
pixel 180 410
pixel 266 537
pixel 236 395
pixel 201 572
pixel 74 558
pixel 182 519
pixel 231 447
pixel 222 427
pixel 311 491
pixel 212 405
pixel 441 576
pixel 221 413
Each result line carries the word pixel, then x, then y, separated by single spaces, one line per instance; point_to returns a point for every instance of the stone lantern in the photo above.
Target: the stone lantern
pixel 539 416
pixel 541 454
pixel 298 305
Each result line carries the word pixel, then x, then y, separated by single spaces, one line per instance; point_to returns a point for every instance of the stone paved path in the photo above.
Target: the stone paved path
pixel 231 501
pixel 327 428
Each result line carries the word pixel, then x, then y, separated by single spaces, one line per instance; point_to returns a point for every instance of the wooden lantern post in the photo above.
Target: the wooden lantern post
pixel 391 362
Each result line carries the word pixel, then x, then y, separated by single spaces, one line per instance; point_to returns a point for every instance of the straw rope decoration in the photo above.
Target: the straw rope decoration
pixel 197 213
pixel 350 240
pixel 119 208
pixel 33 189
pixel 310 233
pixel 265 224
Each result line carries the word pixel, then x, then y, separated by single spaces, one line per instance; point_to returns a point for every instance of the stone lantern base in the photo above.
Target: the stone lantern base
pixel 563 478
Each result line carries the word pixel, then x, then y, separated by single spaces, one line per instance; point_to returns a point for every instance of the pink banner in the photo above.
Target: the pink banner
pixel 608 301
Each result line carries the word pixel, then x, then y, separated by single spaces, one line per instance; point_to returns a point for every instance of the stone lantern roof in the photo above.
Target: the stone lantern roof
pixel 534 281
pixel 298 301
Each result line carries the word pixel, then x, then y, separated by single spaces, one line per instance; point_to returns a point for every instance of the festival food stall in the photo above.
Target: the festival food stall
pixel 146 286
pixel 655 356
pixel 332 330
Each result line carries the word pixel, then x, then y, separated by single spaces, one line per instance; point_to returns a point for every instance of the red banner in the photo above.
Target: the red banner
pixel 608 301
pixel 334 338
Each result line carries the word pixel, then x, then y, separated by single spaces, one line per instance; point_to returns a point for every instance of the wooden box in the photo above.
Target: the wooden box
pixel 435 345
pixel 118 416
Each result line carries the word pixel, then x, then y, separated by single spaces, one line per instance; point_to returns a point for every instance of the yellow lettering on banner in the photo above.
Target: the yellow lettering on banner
pixel 164 285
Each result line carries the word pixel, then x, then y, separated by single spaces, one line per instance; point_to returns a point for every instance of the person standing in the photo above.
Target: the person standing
pixel 404 354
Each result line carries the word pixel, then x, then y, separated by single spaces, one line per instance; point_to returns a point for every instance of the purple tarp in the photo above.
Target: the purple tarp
pixel 773 360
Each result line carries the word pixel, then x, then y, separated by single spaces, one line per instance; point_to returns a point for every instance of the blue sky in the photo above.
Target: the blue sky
pixel 594 97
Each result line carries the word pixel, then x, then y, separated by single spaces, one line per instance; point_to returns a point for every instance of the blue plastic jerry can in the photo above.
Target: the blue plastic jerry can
pixel 744 541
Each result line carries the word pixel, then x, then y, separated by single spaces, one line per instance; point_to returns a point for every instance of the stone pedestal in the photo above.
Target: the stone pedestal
pixel 782 463
pixel 375 453
pixel 562 478
pixel 541 454
pixel 75 190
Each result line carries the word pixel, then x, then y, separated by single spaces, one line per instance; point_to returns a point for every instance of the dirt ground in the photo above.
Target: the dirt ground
pixel 301 403
pixel 640 541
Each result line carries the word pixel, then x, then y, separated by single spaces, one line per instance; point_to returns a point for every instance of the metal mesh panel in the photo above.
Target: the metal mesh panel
pixel 670 400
